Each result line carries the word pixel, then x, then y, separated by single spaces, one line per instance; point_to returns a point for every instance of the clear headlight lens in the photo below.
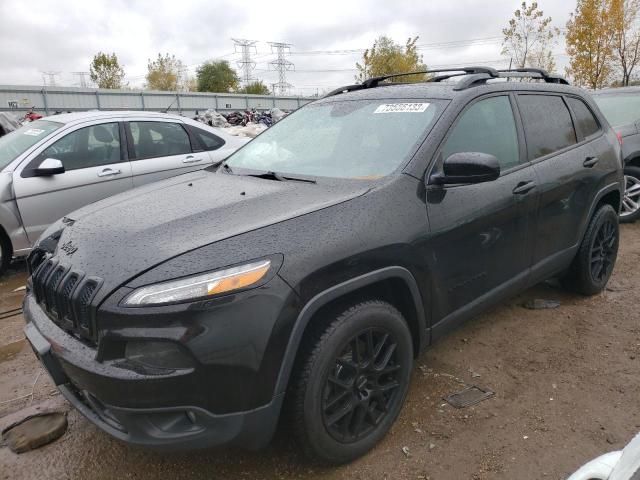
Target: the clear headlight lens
pixel 199 286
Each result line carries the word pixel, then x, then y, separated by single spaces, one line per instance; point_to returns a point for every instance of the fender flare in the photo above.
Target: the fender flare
pixel 612 187
pixel 325 297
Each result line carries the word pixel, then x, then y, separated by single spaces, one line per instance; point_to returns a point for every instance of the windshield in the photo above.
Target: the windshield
pixel 619 109
pixel 344 139
pixel 18 141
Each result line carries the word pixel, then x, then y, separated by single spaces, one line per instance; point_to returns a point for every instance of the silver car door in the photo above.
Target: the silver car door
pixel 95 167
pixel 161 149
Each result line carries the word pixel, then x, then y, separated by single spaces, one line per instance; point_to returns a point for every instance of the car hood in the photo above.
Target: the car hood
pixel 120 237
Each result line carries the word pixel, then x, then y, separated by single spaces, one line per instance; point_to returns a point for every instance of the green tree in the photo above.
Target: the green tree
pixel 255 88
pixel 386 57
pixel 529 38
pixel 217 76
pixel 589 39
pixel 105 71
pixel 165 73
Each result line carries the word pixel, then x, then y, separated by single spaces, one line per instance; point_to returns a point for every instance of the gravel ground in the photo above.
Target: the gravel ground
pixel 565 381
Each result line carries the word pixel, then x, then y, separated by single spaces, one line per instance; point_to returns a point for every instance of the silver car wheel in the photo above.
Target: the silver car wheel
pixel 631 200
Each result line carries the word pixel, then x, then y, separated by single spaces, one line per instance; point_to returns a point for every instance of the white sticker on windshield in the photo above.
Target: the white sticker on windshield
pixel 402 108
pixel 34 132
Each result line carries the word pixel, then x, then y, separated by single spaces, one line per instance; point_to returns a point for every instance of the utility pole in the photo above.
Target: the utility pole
pixel 51 76
pixel 245 63
pixel 83 78
pixel 281 65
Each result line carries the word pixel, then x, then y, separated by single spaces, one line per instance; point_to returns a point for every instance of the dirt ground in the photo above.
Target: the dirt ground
pixel 566 390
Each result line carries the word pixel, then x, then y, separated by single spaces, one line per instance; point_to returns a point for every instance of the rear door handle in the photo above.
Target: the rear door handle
pixel 590 161
pixel 108 172
pixel 524 187
pixel 191 159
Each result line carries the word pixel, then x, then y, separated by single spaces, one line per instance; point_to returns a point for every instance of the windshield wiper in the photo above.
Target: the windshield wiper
pixel 271 175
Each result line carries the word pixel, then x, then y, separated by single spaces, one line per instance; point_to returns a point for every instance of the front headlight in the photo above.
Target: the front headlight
pixel 199 286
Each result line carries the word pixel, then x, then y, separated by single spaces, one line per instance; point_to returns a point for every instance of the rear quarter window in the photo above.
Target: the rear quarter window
pixel 586 123
pixel 547 124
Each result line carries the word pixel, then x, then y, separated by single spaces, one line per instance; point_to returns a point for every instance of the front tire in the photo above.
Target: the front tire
pixel 351 382
pixel 596 257
pixel 630 211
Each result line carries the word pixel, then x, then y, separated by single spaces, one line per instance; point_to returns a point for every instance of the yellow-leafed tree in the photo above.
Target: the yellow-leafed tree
pixel 589 39
pixel 626 36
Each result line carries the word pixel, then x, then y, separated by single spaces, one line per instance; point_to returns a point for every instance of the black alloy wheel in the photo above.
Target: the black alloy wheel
pixel 362 386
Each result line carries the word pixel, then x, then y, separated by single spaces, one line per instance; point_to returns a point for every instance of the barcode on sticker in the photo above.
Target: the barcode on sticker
pixel 402 108
pixel 34 132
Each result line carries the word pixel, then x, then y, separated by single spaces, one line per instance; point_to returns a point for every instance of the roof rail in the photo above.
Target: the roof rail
pixel 486 72
pixel 532 73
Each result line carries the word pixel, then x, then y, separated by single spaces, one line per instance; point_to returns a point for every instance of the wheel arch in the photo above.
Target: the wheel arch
pixel 632 160
pixel 394 284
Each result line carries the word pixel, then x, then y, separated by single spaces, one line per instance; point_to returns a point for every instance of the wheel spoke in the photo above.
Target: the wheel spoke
pixel 335 400
pixel 358 419
pixel 344 411
pixel 346 424
pixel 387 356
pixel 340 383
pixel 379 347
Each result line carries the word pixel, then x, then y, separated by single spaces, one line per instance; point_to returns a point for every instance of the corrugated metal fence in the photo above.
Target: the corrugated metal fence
pixel 48 100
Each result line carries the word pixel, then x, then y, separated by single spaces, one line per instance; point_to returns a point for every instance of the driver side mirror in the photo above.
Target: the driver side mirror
pixel 49 166
pixel 467 167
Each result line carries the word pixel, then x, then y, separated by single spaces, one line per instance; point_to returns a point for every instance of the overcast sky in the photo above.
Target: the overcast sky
pixel 62 36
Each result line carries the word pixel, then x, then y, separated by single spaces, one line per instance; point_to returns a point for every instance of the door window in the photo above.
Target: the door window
pixel 586 123
pixel 158 139
pixel 87 147
pixel 488 126
pixel 547 124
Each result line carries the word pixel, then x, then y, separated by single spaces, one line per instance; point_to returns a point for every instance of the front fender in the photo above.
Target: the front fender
pixel 327 296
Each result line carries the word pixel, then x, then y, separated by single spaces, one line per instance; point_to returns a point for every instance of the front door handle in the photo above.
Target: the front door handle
pixel 524 187
pixel 191 159
pixel 589 162
pixel 108 172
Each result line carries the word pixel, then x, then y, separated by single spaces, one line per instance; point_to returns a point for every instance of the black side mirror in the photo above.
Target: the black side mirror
pixel 467 167
pixel 49 166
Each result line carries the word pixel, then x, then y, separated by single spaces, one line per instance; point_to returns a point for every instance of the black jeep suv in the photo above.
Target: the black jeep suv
pixel 315 264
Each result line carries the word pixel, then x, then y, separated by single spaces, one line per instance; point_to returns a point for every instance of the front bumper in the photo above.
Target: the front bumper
pixel 86 384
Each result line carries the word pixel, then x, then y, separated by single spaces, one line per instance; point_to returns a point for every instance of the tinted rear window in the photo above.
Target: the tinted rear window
pixel 547 124
pixel 586 123
pixel 619 109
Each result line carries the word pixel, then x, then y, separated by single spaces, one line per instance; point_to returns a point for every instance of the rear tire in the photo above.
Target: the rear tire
pixel 351 382
pixel 596 257
pixel 630 211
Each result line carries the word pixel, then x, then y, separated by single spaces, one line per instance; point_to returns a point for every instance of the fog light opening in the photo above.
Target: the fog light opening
pixel 157 354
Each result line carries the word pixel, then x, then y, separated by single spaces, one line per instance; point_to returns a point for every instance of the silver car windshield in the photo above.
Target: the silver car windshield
pixel 343 139
pixel 18 141
pixel 620 109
